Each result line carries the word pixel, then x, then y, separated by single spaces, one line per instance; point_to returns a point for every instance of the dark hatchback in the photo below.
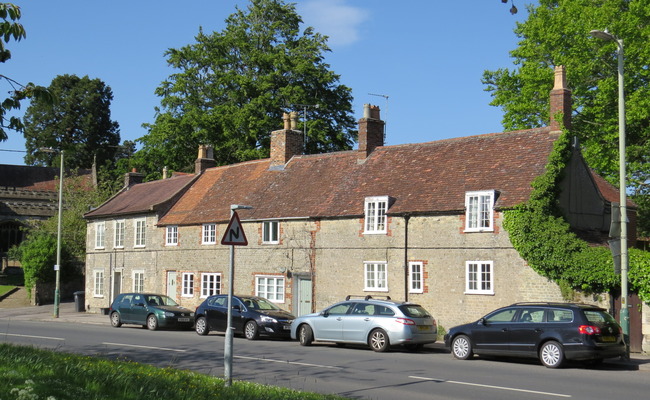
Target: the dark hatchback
pixel 552 332
pixel 151 310
pixel 252 316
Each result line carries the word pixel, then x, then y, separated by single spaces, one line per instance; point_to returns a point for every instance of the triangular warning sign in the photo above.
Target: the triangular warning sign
pixel 234 234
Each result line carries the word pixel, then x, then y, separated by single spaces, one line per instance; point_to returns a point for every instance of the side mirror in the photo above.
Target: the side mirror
pixel 236 307
pixel 324 313
pixel 481 321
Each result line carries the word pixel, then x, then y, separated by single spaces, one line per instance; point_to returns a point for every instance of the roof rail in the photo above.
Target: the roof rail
pixel 365 297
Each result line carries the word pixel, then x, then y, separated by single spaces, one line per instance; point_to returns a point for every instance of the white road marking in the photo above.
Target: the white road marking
pixel 33 337
pixel 288 362
pixel 143 347
pixel 490 386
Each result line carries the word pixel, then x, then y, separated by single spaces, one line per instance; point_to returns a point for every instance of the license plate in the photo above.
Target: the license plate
pixel 183 320
pixel 424 327
pixel 608 338
pixel 286 327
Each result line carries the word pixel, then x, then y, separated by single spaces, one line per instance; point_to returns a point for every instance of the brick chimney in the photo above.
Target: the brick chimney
pixel 133 178
pixel 560 101
pixel 287 142
pixel 205 159
pixel 371 131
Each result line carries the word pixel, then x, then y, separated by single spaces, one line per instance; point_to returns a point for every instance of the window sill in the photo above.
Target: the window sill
pixel 480 293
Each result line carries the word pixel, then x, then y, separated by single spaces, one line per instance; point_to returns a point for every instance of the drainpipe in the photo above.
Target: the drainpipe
pixel 406 256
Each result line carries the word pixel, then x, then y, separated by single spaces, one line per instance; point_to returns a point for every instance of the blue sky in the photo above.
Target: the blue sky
pixel 427 56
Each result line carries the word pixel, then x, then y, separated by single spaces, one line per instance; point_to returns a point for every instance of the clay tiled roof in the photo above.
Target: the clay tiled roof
pixel 608 191
pixel 421 178
pixel 143 197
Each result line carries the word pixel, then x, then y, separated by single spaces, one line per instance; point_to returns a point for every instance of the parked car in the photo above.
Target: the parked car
pixel 251 315
pixel 377 323
pixel 151 310
pixel 552 332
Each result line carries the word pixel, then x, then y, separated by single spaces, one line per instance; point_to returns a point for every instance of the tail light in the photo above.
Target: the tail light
pixel 405 321
pixel 589 329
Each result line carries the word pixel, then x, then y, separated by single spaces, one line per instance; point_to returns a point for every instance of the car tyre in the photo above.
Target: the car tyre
pixel 251 330
pixel 201 326
pixel 152 322
pixel 461 347
pixel 305 335
pixel 551 354
pixel 378 341
pixel 116 322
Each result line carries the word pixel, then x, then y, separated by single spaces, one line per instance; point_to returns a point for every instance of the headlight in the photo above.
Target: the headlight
pixel 191 314
pixel 268 319
pixel 169 314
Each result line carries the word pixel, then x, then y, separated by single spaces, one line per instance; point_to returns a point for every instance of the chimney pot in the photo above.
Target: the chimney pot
pixel 287 142
pixel 205 159
pixel 560 101
pixel 371 131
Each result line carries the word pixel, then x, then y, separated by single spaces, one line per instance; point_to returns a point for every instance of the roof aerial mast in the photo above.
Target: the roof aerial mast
pixel 385 96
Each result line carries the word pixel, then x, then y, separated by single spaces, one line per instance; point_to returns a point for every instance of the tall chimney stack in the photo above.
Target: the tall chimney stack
pixel 371 131
pixel 287 142
pixel 560 102
pixel 205 159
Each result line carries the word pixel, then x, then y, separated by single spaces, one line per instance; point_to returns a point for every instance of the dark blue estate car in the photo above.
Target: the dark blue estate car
pixel 552 332
pixel 251 315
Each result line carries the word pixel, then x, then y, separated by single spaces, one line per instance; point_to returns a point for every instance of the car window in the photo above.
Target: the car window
pixel 154 301
pixel 383 310
pixel 531 315
pixel 559 315
pixel 137 299
pixel 414 311
pixel 363 309
pixel 339 309
pixel 126 300
pixel 506 315
pixel 598 317
pixel 216 301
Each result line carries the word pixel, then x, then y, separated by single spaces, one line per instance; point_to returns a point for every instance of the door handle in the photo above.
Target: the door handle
pixel 366 319
pixel 504 330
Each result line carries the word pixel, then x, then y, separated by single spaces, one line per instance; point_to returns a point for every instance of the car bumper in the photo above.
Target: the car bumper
pixel 419 338
pixel 593 352
pixel 175 323
pixel 276 329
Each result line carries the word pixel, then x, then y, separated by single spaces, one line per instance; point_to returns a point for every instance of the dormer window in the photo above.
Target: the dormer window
pixel 375 214
pixel 479 211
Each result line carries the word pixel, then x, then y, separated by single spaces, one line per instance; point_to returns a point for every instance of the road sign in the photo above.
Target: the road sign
pixel 234 234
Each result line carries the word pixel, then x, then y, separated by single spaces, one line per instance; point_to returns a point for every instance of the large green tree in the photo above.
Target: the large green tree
pixel 79 122
pixel 11 29
pixel 232 87
pixel 557 32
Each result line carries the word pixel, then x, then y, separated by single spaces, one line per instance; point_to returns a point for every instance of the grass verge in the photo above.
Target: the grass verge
pixel 37 374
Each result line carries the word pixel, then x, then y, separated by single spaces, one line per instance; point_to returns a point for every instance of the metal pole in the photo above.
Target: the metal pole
pixel 227 353
pixel 57 267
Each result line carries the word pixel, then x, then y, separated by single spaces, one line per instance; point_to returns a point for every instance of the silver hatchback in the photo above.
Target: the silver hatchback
pixel 377 323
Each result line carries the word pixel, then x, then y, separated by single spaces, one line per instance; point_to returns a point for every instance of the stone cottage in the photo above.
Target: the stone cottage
pixel 419 222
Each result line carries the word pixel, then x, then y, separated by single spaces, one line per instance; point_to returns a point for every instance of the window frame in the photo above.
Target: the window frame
pixel 279 283
pixel 98 283
pixel 271 232
pixel 187 284
pixel 171 235
pixel 474 215
pixel 210 235
pixel 138 280
pixel 206 291
pixel 420 277
pixel 375 219
pixel 474 279
pixel 376 278
pixel 140 232
pixel 100 235
pixel 118 235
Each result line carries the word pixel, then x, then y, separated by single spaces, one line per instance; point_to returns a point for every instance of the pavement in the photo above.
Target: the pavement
pixel 69 314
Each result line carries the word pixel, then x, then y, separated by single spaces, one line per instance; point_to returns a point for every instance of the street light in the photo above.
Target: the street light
pixel 57 267
pixel 625 315
pixel 227 351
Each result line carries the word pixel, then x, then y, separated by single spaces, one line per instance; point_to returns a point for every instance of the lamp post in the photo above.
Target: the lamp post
pixel 227 351
pixel 57 267
pixel 625 315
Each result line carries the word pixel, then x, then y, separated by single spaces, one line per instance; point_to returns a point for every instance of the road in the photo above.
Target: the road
pixel 354 372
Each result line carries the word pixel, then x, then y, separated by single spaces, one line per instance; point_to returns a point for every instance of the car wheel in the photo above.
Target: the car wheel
pixel 115 319
pixel 251 331
pixel 201 326
pixel 461 347
pixel 378 340
pixel 305 335
pixel 551 354
pixel 152 322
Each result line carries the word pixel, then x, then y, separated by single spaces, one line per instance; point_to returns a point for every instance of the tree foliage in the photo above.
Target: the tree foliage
pixel 232 87
pixel 11 29
pixel 78 122
pixel 557 33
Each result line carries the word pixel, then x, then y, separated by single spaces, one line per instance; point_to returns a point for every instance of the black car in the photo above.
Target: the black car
pixel 552 332
pixel 251 315
pixel 150 310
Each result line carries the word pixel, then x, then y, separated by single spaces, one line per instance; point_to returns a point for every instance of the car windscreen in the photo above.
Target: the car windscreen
pixel 414 311
pixel 160 300
pixel 260 304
